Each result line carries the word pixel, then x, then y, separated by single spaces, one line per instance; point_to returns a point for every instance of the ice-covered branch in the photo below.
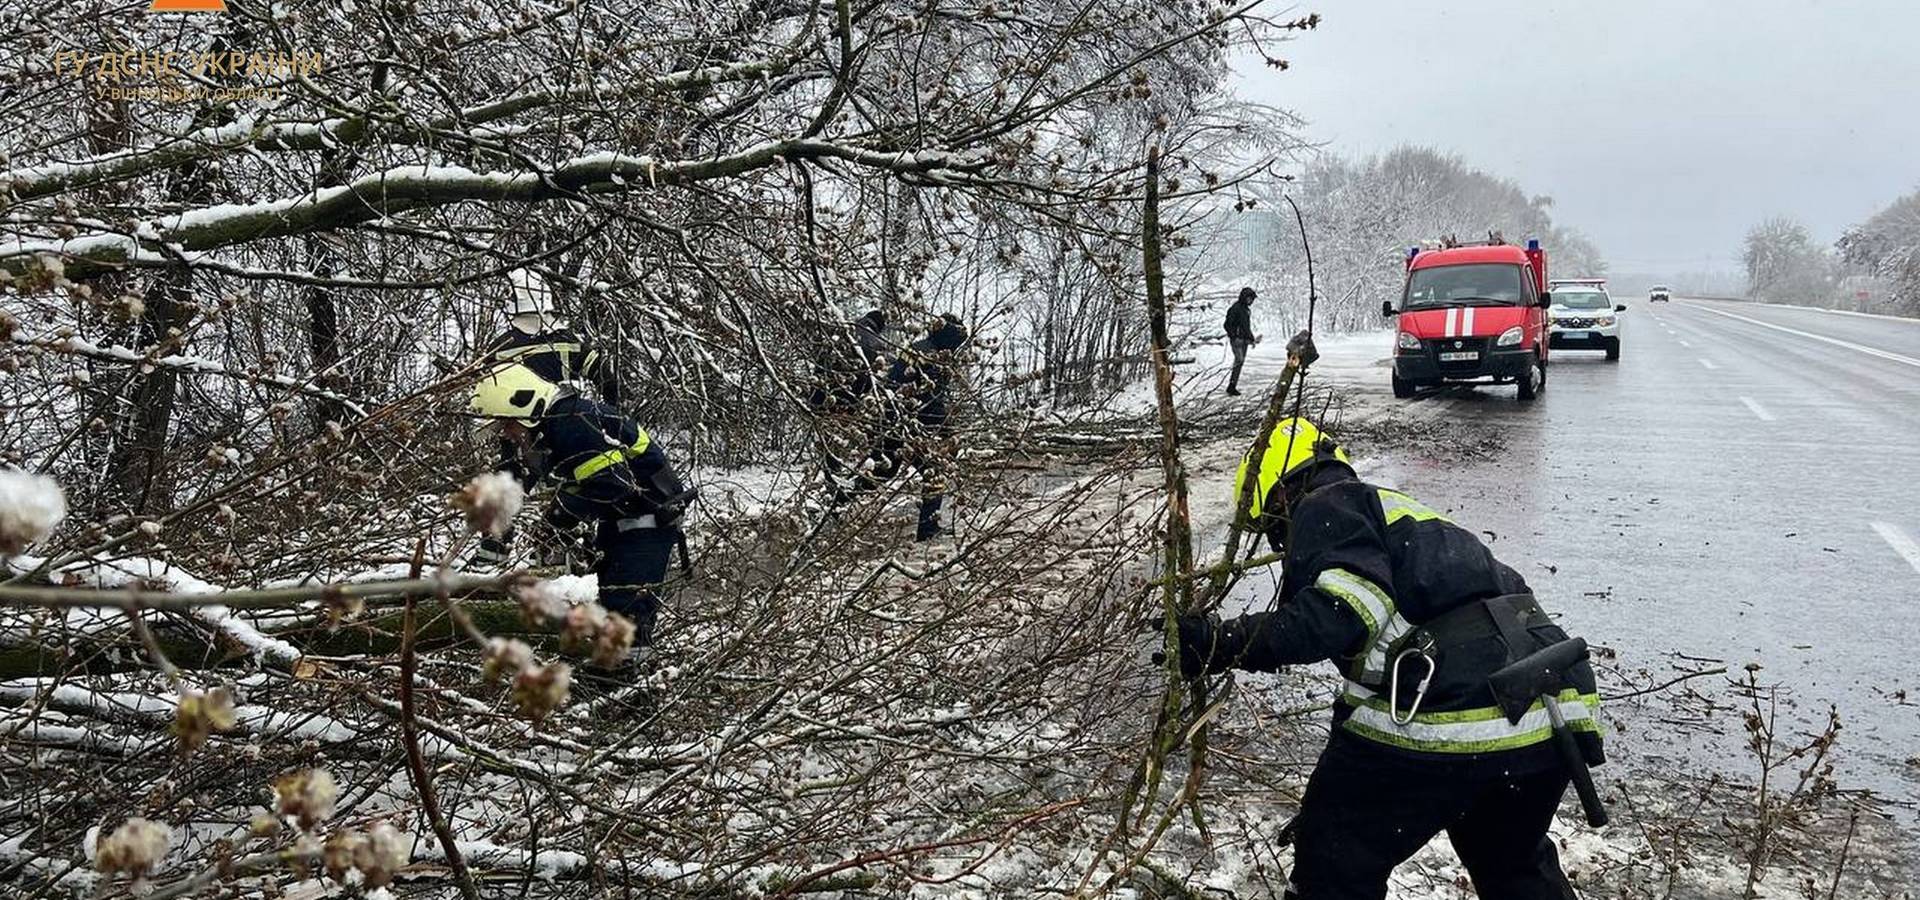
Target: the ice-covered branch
pixel 264 598
pixel 114 353
pixel 50 178
pixel 405 188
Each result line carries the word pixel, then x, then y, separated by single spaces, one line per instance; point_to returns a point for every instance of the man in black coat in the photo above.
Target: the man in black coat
pixel 1240 335
pixel 1417 613
pixel 845 371
pixel 538 339
pixel 612 476
pixel 916 430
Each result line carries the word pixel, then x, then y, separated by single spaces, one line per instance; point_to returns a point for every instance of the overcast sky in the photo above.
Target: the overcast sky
pixel 1662 128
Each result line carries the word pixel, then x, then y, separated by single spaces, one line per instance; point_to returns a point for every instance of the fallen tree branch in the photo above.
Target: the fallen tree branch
pixel 404 188
pixel 264 598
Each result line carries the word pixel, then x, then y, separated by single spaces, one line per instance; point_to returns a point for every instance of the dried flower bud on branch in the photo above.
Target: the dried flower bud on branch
pixel 199 715
pixel 133 849
pixel 490 502
pixel 30 506
pixel 539 690
pixel 540 605
pixel 307 796
pixel 505 657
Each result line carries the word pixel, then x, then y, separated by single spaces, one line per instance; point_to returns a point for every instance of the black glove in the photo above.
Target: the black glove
pixel 1203 646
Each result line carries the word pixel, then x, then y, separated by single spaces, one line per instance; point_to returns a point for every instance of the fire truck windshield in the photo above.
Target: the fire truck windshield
pixel 1469 284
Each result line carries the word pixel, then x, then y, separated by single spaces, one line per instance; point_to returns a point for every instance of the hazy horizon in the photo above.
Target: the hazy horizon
pixel 1663 131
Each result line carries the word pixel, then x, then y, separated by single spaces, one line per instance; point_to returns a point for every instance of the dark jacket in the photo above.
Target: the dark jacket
pixel 559 356
pixel 1364 567
pixel 608 467
pixel 1240 322
pixel 841 375
pixel 923 373
pixel 869 337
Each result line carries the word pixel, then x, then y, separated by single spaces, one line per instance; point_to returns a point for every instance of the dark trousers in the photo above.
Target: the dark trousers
pixel 1368 809
pixel 1239 359
pixel 925 450
pixel 631 563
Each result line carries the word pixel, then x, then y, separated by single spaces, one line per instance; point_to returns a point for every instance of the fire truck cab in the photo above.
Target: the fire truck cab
pixel 1475 313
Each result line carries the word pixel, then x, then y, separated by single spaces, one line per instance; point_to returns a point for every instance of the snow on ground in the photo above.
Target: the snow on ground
pixel 1201 370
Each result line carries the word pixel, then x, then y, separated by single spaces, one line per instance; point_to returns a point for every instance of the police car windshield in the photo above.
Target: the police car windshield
pixel 1471 284
pixel 1580 299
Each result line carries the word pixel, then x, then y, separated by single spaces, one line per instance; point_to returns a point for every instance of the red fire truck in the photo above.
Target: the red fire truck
pixel 1472 313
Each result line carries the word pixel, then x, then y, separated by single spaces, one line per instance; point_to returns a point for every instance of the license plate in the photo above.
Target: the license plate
pixel 1462 356
pixel 1574 335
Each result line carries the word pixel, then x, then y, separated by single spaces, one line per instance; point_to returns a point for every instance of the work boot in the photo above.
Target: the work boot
pixel 1233 391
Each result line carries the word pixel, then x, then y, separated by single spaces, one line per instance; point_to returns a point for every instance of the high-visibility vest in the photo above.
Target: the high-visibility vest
pixel 1458 715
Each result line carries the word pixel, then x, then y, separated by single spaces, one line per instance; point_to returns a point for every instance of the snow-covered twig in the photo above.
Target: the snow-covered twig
pixel 113 353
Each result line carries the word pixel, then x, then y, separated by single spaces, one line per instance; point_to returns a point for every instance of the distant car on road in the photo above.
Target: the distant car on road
pixel 1583 317
pixel 1659 294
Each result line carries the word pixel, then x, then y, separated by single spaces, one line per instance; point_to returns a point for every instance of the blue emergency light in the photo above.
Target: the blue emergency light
pixel 1533 243
pixel 1413 252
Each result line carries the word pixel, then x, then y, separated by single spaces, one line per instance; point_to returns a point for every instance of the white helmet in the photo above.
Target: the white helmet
pixel 532 296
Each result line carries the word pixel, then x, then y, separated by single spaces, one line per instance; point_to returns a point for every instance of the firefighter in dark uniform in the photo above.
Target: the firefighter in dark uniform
pixel 611 476
pixel 537 339
pixel 916 430
pixel 842 401
pixel 1417 613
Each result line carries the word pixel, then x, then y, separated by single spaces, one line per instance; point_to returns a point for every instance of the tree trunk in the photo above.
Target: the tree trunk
pixel 137 478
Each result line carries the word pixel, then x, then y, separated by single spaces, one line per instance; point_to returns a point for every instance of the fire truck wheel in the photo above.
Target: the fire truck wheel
pixel 1533 382
pixel 1402 388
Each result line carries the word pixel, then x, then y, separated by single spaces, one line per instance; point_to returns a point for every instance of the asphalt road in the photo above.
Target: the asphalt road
pixel 1743 485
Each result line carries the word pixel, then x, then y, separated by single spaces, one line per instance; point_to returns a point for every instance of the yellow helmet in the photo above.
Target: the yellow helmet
pixel 511 391
pixel 1295 444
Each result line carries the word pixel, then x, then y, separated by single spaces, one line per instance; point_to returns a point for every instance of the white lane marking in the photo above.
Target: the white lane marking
pixel 1758 410
pixel 1901 544
pixel 1684 343
pixel 1848 312
pixel 1708 363
pixel 1870 351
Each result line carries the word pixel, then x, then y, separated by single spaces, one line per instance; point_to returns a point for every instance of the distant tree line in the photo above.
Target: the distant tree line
pixel 1873 267
pixel 1362 214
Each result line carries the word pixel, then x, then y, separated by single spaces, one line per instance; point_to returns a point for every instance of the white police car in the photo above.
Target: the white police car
pixel 1583 317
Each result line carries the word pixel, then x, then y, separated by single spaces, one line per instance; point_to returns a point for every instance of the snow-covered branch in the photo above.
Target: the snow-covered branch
pixel 405 188
pixel 50 178
pixel 114 353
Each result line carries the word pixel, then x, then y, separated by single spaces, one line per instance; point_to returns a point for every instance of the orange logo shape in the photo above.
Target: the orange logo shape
pixel 188 6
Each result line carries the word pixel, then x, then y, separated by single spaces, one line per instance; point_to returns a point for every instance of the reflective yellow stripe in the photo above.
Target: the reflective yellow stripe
pixel 1399 506
pixel 1368 601
pixel 1482 730
pixel 1377 612
pixel 600 461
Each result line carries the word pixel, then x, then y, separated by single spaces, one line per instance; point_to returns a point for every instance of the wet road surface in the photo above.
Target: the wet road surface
pixel 1743 485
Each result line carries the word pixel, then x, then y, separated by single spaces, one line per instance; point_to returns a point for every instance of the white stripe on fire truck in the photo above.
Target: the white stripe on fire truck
pixel 1453 312
pixel 1466 323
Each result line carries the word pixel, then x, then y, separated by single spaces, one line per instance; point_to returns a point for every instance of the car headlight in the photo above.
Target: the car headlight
pixel 1603 321
pixel 1510 337
pixel 1408 341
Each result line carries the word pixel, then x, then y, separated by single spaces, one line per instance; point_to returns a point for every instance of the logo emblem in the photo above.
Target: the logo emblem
pixel 188 6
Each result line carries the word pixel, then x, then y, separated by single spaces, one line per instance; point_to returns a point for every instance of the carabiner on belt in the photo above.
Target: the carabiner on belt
pixel 1419 693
